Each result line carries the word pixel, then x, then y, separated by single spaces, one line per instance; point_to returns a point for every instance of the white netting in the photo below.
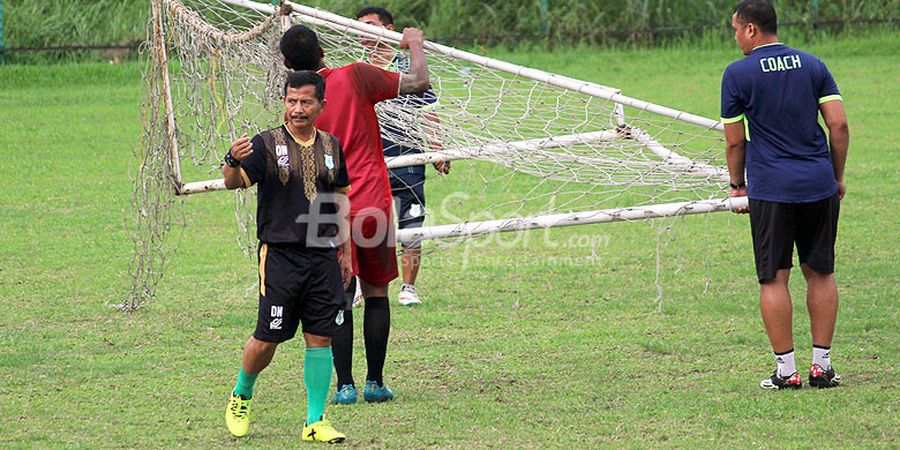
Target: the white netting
pixel 529 143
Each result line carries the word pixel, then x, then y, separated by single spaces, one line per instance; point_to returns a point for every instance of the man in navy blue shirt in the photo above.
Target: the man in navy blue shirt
pixel 771 101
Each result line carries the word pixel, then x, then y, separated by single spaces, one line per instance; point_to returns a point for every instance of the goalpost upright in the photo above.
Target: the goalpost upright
pixel 160 53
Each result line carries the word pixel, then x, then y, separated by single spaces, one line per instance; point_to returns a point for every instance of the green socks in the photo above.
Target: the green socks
pixel 245 384
pixel 317 367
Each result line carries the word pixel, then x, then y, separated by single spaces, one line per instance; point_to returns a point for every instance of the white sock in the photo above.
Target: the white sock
pixel 786 365
pixel 822 356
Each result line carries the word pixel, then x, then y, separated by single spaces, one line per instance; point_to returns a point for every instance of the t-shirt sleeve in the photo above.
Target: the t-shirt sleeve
pixel 342 177
pixel 828 89
pixel 732 105
pixel 429 96
pixel 253 167
pixel 427 99
pixel 375 83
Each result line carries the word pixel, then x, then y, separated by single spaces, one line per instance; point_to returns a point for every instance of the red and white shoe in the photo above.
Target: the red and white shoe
pixel 776 382
pixel 821 378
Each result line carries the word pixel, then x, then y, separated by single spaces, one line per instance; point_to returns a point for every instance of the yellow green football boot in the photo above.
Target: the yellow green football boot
pixel 322 431
pixel 237 415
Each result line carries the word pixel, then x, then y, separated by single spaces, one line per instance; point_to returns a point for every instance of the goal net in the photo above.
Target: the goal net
pixel 531 149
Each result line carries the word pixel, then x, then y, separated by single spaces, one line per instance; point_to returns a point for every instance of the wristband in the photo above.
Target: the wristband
pixel 230 161
pixel 740 185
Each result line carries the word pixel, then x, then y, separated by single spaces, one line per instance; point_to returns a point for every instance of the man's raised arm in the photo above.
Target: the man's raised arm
pixel 240 149
pixel 416 81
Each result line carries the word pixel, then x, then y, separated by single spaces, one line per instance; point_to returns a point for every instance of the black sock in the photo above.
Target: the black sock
pixel 376 328
pixel 342 345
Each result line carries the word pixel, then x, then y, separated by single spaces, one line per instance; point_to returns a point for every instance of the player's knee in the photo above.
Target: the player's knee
pixel 782 275
pixel 780 279
pixel 813 275
pixel 316 341
pixel 260 345
pixel 371 290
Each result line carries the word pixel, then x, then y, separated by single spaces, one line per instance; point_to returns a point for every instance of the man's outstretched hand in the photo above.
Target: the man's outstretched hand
pixel 241 148
pixel 346 264
pixel 442 167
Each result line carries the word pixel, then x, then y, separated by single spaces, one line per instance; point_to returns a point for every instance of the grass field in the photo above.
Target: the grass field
pixel 533 346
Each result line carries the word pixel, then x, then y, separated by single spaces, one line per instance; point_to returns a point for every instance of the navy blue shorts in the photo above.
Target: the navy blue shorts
pixel 409 199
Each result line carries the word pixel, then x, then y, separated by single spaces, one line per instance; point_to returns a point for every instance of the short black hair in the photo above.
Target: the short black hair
pixel 300 78
pixel 383 14
pixel 760 13
pixel 300 47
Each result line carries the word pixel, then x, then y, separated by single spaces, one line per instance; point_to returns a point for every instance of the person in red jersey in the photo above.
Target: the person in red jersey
pixel 353 90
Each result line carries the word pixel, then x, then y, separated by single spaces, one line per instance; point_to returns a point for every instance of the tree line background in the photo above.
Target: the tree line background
pixel 31 29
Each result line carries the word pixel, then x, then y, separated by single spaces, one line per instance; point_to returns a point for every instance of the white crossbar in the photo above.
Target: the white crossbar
pixel 499 149
pixel 588 88
pixel 468 229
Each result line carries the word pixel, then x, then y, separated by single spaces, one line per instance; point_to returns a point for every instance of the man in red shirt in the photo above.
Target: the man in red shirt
pixel 352 92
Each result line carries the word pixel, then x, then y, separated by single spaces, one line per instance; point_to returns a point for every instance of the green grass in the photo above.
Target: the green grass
pixel 531 346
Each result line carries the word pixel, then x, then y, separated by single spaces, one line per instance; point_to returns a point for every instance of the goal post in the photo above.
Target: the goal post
pixel 537 149
pixel 317 16
pixel 472 229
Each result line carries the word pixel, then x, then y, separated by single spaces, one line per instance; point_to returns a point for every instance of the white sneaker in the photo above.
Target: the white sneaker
pixel 357 297
pixel 408 295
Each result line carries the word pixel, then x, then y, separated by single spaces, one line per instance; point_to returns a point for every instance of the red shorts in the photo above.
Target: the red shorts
pixel 374 244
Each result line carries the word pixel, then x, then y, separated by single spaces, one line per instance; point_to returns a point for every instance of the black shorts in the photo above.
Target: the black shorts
pixel 409 199
pixel 298 285
pixel 777 226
